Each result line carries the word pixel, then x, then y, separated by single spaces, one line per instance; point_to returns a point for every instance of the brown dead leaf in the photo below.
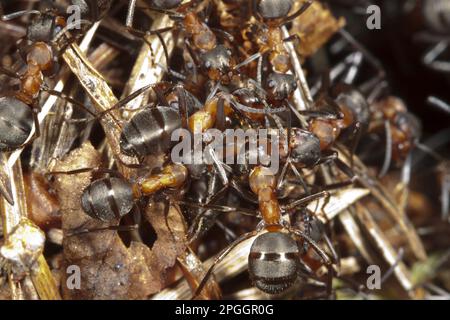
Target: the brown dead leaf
pixel 170 229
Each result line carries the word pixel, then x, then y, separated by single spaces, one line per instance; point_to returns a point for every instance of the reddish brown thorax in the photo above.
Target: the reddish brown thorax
pixel 328 130
pixel 263 183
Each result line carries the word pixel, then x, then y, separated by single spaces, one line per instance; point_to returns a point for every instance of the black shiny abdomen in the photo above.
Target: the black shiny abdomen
pixel 107 199
pixel 165 4
pixel 149 132
pixel 273 262
pixel 16 122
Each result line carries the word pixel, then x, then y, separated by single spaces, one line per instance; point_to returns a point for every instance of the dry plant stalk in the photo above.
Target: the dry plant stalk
pixel 14 219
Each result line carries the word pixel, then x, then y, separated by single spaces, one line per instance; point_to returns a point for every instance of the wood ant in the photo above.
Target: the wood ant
pixel 269 36
pixel 402 128
pixel 40 54
pixel 274 259
pixel 215 59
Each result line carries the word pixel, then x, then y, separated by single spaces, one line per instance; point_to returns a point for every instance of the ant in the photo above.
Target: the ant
pixel 40 54
pixel 402 128
pixel 269 36
pixel 274 259
pixel 113 197
pixel 214 59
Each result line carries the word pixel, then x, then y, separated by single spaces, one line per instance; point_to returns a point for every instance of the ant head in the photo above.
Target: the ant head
pixel 410 124
pixel 108 198
pixel 273 262
pixel 217 62
pixel 280 86
pixel 248 97
pixel 273 9
pixel 305 147
pixel 355 102
pixel 165 4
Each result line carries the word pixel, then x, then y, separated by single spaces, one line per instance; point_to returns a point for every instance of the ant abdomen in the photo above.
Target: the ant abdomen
pixel 108 199
pixel 149 132
pixel 165 4
pixel 273 262
pixel 274 9
pixel 16 122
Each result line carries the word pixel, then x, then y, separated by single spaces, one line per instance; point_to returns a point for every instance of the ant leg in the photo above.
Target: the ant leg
pixel 222 209
pixel 358 46
pixel 37 130
pixel 388 153
pixel 220 257
pixel 300 178
pixel 356 137
pixel 243 193
pixel 248 60
pixel 129 98
pixel 320 114
pixel 160 96
pixel 220 115
pixel 9 73
pixel 78 232
pixel 182 105
pixel 69 99
pixel 346 170
pixel 142 34
pixel 293 38
pixel 430 59
pixel 18 14
pixel 306 200
pixel 223 34
pixel 439 103
pixel 206 219
pixel 259 71
pixel 282 175
pixel 337 185
pixel 94 170
pixel 230 236
pixel 353 68
pixel 324 257
pixel 334 254
pixel 445 197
